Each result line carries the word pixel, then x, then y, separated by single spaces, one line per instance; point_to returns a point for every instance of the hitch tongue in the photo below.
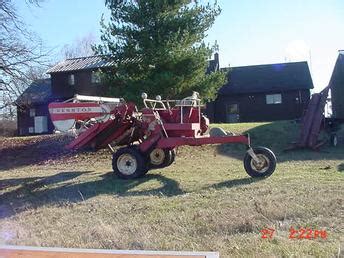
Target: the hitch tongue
pixel 253 155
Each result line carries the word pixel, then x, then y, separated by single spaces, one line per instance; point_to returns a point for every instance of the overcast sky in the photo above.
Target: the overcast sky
pixel 248 32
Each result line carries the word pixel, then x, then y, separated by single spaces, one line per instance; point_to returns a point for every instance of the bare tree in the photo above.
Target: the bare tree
pixel 81 47
pixel 21 53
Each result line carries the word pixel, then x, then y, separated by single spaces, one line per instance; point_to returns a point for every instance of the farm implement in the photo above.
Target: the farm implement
pixel 149 136
pixel 318 125
pixel 314 123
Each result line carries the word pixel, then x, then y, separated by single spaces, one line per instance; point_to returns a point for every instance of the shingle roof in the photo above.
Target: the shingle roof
pixel 81 63
pixel 95 62
pixel 270 77
pixel 38 92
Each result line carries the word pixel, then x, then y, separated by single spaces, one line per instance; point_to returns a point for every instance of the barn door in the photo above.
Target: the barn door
pixel 41 124
pixel 232 113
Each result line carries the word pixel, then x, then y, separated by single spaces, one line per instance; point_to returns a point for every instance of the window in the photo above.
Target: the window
pixel 71 79
pixel 274 99
pixel 95 77
pixel 233 113
pixel 32 112
pixel 31 130
pixel 233 109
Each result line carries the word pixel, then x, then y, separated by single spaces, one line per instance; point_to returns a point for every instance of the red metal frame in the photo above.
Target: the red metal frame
pixel 171 142
pixel 164 128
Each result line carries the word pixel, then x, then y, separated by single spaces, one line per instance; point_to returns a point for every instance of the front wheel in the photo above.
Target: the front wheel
pixel 129 163
pixel 264 166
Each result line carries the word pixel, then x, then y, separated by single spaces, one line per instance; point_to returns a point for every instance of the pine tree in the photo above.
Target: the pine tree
pixel 158 48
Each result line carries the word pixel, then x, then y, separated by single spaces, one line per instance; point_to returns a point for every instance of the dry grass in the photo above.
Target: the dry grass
pixel 204 201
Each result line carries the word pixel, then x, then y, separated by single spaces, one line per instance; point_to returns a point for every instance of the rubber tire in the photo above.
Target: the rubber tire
pixel 267 153
pixel 169 159
pixel 172 157
pixel 334 140
pixel 140 159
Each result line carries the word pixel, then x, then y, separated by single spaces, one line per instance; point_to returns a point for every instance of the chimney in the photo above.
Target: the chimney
pixel 216 58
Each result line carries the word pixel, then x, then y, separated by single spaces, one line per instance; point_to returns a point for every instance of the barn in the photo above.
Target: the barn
pixel 32 109
pixel 262 93
pixel 337 87
pixel 67 78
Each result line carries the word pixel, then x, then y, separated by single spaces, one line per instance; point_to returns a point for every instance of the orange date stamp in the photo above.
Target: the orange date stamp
pixel 296 233
pixel 267 233
pixel 307 233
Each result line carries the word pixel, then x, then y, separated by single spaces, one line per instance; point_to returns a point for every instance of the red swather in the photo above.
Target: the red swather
pixel 150 135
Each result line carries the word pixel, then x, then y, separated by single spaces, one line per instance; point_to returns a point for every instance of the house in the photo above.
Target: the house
pixel 67 78
pixel 262 93
pixel 337 87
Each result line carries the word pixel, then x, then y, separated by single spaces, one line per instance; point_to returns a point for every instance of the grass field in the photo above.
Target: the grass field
pixel 203 202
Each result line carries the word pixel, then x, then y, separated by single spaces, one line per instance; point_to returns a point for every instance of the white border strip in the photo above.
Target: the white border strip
pixel 107 251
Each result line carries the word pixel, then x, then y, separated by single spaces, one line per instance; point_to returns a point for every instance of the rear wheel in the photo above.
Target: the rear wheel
pixel 160 158
pixel 129 163
pixel 172 157
pixel 264 166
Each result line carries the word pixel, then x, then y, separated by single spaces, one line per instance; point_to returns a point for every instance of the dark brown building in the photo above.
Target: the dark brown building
pixel 32 109
pixel 67 78
pixel 337 87
pixel 263 93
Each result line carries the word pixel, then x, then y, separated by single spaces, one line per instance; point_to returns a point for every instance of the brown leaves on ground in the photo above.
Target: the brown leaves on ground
pixel 43 149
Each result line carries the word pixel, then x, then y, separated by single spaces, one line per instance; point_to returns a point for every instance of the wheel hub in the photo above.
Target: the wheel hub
pixel 127 164
pixel 262 165
pixel 157 156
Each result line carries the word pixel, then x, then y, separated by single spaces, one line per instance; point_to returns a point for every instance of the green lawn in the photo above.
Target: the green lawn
pixel 203 202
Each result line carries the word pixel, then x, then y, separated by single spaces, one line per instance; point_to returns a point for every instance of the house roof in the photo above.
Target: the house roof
pixel 337 67
pixel 270 77
pixel 81 63
pixel 96 62
pixel 38 92
pixel 337 87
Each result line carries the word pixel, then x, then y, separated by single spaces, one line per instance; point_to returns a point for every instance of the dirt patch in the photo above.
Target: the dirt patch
pixel 38 150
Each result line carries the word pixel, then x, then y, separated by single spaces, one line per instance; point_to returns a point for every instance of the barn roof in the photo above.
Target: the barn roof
pixel 81 63
pixel 337 87
pixel 269 77
pixel 96 62
pixel 337 67
pixel 38 92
